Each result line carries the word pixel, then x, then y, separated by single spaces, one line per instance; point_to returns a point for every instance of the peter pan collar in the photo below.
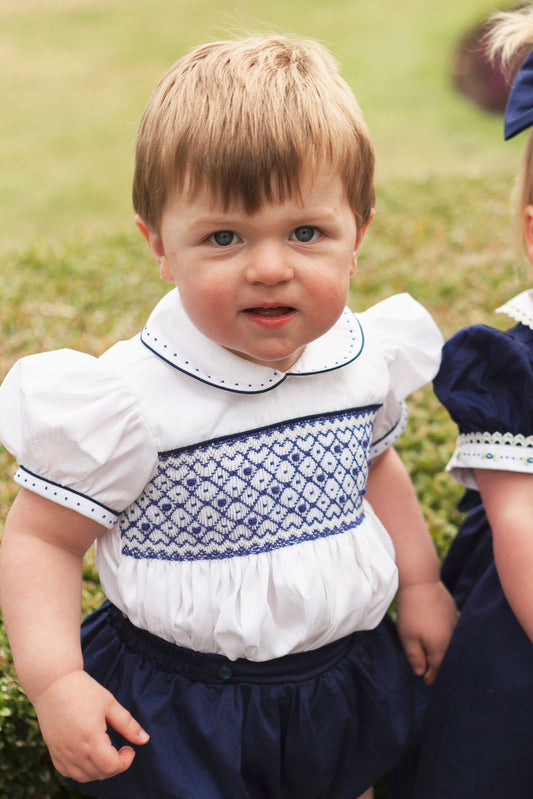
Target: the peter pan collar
pixel 520 308
pixel 170 334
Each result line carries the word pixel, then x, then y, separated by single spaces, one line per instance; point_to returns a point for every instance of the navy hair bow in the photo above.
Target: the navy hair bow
pixel 519 111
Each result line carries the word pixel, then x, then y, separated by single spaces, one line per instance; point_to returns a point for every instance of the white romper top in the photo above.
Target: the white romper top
pixel 232 493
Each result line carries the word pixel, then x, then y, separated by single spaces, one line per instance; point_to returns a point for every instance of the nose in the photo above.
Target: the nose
pixel 268 264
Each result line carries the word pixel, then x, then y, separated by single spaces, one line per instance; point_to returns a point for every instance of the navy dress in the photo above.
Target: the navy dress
pixel 477 741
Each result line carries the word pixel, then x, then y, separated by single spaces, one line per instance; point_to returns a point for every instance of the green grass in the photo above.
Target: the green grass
pixel 75 273
pixel 78 73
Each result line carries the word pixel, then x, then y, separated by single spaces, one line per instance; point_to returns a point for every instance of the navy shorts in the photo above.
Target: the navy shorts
pixel 325 724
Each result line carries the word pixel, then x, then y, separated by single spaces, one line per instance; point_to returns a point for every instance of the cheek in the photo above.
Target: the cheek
pixel 332 289
pixel 206 305
pixel 330 299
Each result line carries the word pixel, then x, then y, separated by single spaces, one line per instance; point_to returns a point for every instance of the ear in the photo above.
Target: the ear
pixel 359 240
pixel 155 242
pixel 528 230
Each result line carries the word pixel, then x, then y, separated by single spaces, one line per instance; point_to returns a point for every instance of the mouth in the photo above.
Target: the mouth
pixel 270 312
pixel 271 316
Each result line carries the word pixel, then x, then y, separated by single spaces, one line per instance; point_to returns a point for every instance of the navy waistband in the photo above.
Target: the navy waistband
pixel 206 667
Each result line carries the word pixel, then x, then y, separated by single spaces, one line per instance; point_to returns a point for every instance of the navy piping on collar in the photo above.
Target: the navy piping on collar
pixel 208 382
pixel 337 365
pixel 249 390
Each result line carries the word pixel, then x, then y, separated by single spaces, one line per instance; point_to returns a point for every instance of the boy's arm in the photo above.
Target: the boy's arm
pixel 508 501
pixel 40 583
pixel 426 611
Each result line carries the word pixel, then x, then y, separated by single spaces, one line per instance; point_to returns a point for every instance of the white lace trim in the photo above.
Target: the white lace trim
pixel 500 451
pixel 520 308
pixel 495 439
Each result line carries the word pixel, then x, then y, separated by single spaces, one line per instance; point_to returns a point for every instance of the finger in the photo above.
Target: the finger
pixel 104 762
pixel 98 758
pixel 416 656
pixel 430 676
pixel 123 722
pixel 126 755
pixel 435 658
pixel 432 670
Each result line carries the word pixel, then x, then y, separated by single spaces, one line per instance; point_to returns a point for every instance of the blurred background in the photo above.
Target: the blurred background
pixel 76 75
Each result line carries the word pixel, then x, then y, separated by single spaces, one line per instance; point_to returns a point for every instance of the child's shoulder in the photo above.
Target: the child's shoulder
pixel 496 351
pixel 408 336
pixel 520 308
pixel 71 421
pixel 484 377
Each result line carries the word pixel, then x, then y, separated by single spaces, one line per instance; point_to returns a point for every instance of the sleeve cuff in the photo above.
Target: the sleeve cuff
pixel 66 497
pixel 392 435
pixel 499 451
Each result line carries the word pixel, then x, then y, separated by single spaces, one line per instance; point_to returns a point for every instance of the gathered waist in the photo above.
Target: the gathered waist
pixel 207 667
pixel 261 607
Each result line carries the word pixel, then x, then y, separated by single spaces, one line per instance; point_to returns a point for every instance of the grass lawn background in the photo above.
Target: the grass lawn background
pixel 74 272
pixel 76 75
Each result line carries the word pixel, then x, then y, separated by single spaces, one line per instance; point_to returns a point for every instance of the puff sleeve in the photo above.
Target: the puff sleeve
pixel 486 384
pixel 411 344
pixel 77 432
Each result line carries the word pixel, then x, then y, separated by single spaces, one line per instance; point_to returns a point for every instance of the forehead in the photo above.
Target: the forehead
pixel 311 187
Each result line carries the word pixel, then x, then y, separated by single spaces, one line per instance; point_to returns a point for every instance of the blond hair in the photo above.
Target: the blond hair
pixel 247 118
pixel 509 40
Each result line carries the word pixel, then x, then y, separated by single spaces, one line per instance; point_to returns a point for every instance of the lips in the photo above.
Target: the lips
pixel 271 316
pixel 271 312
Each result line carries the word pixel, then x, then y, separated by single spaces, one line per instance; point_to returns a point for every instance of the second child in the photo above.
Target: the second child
pixel 477 740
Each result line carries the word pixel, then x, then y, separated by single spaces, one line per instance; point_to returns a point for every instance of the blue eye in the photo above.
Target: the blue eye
pixel 305 234
pixel 223 238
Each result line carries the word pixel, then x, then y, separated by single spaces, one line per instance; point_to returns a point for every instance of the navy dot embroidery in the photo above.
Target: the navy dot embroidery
pixel 73 500
pixel 255 492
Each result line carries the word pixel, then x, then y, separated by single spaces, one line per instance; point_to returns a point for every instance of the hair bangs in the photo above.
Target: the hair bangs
pixel 250 120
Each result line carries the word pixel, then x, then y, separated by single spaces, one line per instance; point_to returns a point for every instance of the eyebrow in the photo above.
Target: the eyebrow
pixel 219 219
pixel 230 218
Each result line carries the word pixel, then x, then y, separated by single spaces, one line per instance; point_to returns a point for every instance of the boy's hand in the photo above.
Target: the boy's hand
pixel 74 713
pixel 427 615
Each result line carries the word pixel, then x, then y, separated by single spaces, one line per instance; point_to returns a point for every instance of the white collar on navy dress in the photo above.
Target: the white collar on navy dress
pixel 171 335
pixel 520 308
